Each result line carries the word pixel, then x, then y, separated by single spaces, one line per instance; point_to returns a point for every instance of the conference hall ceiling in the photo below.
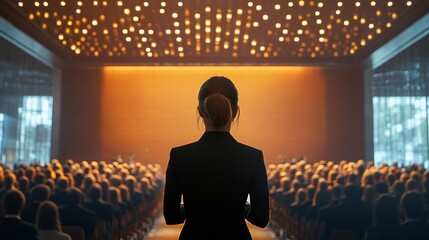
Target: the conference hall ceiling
pixel 159 32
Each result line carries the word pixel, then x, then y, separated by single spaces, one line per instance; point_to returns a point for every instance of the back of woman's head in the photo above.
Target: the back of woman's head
pixel 47 217
pixel 125 193
pixel 131 182
pixel 218 101
pixel 285 183
pixel 301 195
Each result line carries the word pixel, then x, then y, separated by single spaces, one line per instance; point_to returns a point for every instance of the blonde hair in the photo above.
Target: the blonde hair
pixel 47 217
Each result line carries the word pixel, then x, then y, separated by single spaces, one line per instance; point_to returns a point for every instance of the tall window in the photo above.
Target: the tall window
pixel 400 90
pixel 26 106
pixel 2 156
pixel 400 130
pixel 34 127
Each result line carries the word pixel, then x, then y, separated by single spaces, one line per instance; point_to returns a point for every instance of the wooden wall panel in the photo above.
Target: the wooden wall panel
pixel 80 115
pixel 288 111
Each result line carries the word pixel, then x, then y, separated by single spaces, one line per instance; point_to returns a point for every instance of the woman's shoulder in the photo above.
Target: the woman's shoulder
pixel 200 146
pixel 248 147
pixel 183 149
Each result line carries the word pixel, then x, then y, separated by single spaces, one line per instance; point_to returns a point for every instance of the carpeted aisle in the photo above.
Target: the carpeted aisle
pixel 161 231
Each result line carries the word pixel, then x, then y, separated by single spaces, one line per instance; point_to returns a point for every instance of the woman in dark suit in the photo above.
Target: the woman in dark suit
pixel 208 181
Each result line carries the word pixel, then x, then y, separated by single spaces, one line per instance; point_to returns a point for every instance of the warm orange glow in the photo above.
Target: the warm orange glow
pixel 148 110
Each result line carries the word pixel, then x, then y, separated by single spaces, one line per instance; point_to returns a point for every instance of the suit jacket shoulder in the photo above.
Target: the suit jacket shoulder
pixel 13 228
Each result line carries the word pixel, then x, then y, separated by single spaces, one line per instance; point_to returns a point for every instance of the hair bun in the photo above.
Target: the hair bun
pixel 217 110
pixel 217 101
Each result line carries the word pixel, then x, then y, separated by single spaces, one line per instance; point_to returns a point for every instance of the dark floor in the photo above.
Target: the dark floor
pixel 161 231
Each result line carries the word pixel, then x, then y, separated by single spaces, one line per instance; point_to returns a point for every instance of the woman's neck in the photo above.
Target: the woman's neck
pixel 225 128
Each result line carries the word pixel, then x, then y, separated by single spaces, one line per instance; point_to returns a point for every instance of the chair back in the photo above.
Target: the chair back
pixel 341 234
pixel 101 232
pixel 75 232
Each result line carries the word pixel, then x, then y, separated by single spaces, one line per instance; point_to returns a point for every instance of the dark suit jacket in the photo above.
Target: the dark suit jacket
pixel 136 198
pixel 349 214
pixel 381 232
pixel 103 210
pixel 413 229
pixel 215 175
pixel 14 228
pixel 29 213
pixel 74 215
pixel 288 198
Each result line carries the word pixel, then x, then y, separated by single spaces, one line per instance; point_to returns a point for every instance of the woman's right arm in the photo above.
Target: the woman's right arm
pixel 173 211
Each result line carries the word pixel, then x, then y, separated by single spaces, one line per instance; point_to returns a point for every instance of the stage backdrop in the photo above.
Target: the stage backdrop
pixel 286 112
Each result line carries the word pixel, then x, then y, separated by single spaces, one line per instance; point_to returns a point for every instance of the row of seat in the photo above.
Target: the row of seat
pixel 134 226
pixel 292 228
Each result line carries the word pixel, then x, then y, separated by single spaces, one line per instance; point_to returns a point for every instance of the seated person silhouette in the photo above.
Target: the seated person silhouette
pixel 12 227
pixel 415 226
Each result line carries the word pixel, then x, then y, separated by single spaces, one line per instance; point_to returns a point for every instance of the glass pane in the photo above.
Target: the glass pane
pixel 26 87
pixel 2 156
pixel 35 124
pixel 400 90
pixel 400 130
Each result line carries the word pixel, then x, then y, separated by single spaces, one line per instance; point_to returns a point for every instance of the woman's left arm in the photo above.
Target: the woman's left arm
pixel 259 211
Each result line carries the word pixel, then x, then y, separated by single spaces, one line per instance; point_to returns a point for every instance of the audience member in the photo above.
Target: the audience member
pixel 119 207
pixel 300 198
pixel 60 179
pixel 73 214
pixel 126 198
pixel 24 187
pixel 368 198
pixel 8 183
pixel 398 191
pixel 60 195
pixel 349 214
pixel 415 226
pixel 386 219
pixel 343 214
pixel 103 210
pixel 324 211
pixel 12 227
pixel 48 222
pixel 135 193
pixel 322 198
pixel 38 194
